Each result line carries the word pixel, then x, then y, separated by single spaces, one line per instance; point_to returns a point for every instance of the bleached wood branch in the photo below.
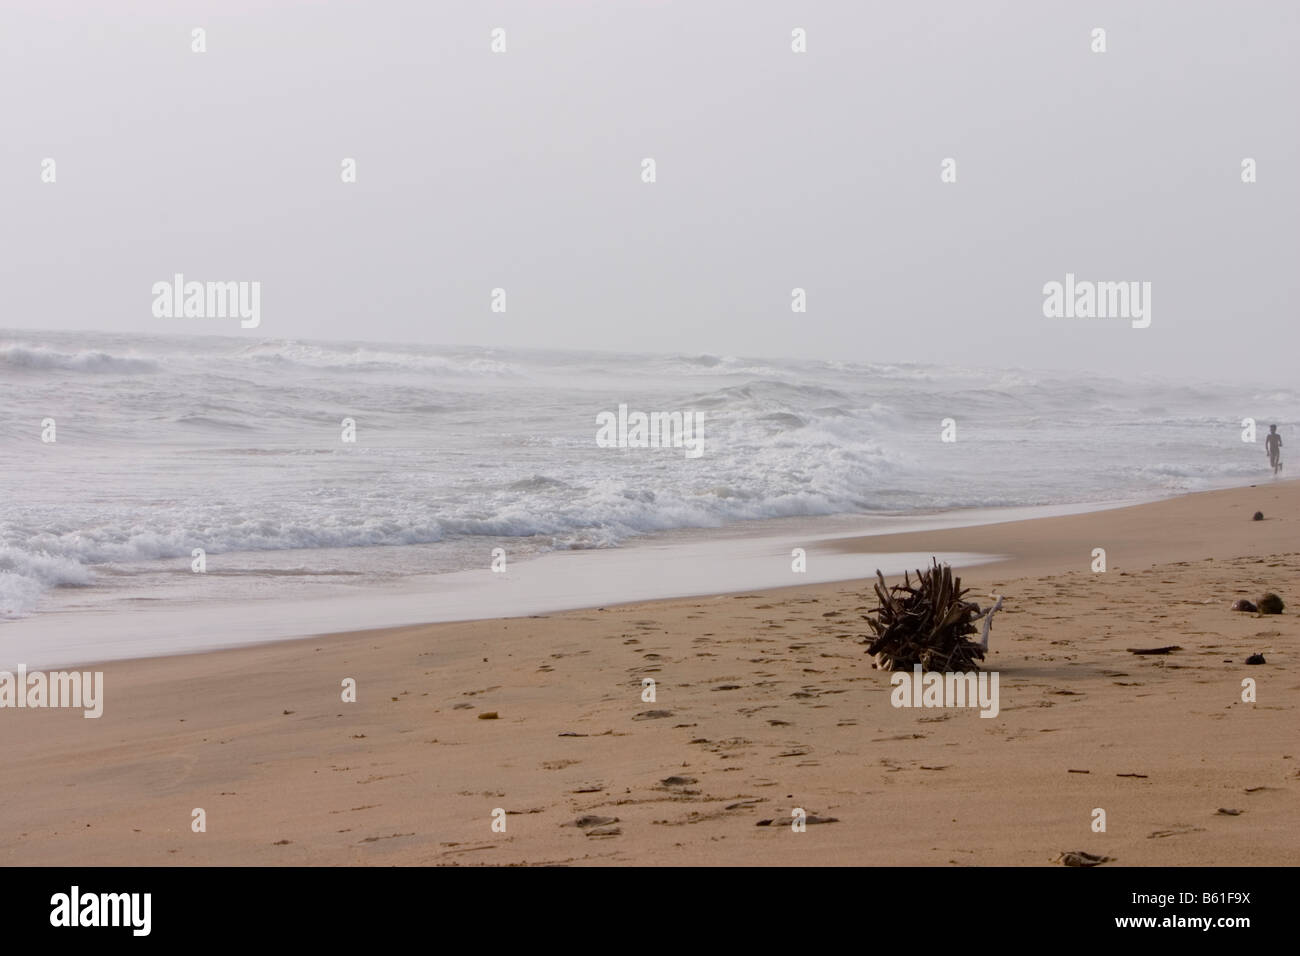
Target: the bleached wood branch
pixel 988 621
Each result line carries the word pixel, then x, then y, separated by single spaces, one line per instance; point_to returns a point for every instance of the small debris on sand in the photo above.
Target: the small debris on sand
pixel 589 820
pixel 652 715
pixel 1229 812
pixel 1154 650
pixel 1259 516
pixel 1256 659
pixel 809 819
pixel 488 715
pixel 1241 604
pixel 1080 858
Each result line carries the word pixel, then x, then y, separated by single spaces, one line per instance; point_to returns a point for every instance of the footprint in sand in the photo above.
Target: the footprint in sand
pixel 1178 829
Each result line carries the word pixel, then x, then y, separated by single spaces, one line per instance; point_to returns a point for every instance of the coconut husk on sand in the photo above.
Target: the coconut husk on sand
pixel 1270 603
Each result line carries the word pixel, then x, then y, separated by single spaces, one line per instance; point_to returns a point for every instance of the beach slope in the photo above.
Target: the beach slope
pixel 764 703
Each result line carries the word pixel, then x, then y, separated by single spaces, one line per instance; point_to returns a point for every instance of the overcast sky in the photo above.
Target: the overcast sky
pixel 775 170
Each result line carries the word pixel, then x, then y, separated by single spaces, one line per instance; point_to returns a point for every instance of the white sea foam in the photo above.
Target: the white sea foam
pixel 26 574
pixel 373 359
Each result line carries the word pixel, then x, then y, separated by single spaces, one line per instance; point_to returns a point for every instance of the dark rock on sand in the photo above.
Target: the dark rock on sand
pixel 1241 604
pixel 1256 659
pixel 1270 603
pixel 1259 516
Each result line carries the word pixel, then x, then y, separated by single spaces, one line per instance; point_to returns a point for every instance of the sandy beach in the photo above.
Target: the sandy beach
pixel 764 702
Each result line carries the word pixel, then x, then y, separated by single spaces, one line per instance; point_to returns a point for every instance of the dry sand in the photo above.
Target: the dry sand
pixel 765 702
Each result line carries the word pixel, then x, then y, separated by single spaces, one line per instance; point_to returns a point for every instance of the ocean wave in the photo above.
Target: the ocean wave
pixel 362 359
pixel 234 445
pixel 26 575
pixel 102 363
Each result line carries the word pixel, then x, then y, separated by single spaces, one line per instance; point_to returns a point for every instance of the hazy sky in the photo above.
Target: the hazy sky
pixel 775 170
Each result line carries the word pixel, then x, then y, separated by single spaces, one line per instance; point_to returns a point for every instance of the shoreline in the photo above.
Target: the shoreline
pixel 765 702
pixel 677 564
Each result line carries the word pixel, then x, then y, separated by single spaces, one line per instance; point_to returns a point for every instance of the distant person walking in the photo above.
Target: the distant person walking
pixel 1273 445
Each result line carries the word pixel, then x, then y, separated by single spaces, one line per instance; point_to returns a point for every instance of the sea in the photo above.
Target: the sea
pixel 124 453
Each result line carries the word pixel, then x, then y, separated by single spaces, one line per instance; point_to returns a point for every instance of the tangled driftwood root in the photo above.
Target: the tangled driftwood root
pixel 929 623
